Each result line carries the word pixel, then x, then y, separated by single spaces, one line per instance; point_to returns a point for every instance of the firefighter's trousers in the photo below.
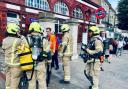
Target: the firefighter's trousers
pixel 66 66
pixel 13 75
pixel 92 71
pixel 38 75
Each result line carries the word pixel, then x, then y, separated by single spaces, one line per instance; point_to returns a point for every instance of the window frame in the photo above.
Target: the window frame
pixel 40 4
pixel 78 11
pixel 61 8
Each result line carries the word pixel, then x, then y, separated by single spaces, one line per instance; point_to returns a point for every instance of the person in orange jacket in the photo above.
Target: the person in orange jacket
pixel 53 47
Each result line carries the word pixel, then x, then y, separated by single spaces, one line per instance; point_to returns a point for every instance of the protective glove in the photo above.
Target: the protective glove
pixel 60 54
pixel 49 61
pixel 84 47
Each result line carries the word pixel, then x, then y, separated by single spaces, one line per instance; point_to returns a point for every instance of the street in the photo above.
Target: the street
pixel 114 77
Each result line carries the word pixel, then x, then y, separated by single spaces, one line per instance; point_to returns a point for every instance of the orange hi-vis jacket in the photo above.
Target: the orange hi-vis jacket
pixel 52 39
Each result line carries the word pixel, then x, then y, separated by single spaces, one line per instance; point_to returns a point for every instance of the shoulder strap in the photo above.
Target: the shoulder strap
pixel 99 39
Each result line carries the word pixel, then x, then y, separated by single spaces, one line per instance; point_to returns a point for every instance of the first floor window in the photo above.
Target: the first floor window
pixel 41 4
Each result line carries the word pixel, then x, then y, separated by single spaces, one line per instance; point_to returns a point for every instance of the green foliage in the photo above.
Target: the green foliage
pixel 123 14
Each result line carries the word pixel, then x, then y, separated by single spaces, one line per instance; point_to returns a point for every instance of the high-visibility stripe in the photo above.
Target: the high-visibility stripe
pixel 13 49
pixel 64 43
pixel 67 78
pixel 8 88
pixel 12 64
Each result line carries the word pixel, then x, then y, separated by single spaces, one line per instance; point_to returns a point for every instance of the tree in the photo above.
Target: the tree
pixel 123 14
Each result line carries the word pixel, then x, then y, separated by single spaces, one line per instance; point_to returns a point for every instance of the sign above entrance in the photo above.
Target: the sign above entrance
pixel 100 13
pixel 33 20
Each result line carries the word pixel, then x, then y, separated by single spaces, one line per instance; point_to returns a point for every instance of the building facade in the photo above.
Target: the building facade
pixel 108 23
pixel 23 12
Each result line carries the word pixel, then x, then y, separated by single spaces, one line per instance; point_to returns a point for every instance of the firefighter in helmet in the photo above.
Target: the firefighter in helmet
pixel 66 51
pixel 39 46
pixel 10 45
pixel 95 49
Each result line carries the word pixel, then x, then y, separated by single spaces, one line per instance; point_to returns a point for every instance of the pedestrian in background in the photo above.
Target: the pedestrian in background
pixel 115 44
pixel 53 47
pixel 120 47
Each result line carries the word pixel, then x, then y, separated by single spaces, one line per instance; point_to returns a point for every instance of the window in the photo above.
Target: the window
pixel 93 18
pixel 57 28
pixel 41 4
pixel 61 8
pixel 12 15
pixel 77 13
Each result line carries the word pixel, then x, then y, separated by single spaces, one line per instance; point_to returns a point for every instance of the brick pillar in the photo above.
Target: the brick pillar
pixel 3 23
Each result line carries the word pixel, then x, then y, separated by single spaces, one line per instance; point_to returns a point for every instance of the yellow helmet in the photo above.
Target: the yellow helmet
pixel 95 29
pixel 35 26
pixel 12 28
pixel 65 27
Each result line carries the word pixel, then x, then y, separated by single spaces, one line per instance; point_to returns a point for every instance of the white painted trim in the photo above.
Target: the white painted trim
pixel 87 4
pixel 62 17
pixel 90 23
pixel 32 10
pixel 101 25
pixel 11 6
pixel 81 21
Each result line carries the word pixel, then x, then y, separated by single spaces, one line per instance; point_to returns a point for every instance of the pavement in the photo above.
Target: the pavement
pixel 115 75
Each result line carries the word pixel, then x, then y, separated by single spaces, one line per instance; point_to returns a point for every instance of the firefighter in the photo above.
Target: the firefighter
pixel 66 51
pixel 39 46
pixel 95 49
pixel 10 45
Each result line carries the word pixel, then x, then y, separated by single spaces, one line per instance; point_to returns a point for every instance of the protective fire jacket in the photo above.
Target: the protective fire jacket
pixel 97 47
pixel 10 46
pixel 68 44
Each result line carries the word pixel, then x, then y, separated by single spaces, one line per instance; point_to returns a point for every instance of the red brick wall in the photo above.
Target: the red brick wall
pixel 2 21
pixel 21 2
pixel 96 1
pixel 72 4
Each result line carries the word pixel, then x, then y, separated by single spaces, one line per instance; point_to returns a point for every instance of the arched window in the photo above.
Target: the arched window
pixel 77 13
pixel 61 8
pixel 41 4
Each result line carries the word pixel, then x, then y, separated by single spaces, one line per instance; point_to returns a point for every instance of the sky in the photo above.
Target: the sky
pixel 114 3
